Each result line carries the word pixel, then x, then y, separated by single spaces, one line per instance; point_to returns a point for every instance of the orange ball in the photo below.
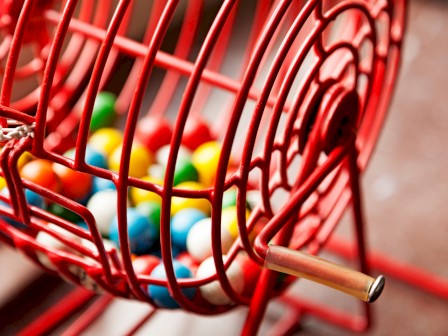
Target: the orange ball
pixel 41 172
pixel 74 185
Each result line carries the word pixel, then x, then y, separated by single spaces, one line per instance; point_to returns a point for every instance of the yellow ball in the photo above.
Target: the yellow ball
pixel 229 220
pixel 106 140
pixel 141 159
pixel 2 182
pixel 141 195
pixel 24 158
pixel 179 203
pixel 205 159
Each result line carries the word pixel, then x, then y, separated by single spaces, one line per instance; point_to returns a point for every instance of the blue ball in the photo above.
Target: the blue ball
pixel 95 158
pixel 35 199
pixel 92 157
pixel 181 224
pixel 141 233
pixel 160 294
pixel 100 184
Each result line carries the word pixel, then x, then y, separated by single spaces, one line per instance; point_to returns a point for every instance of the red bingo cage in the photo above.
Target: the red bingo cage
pixel 192 154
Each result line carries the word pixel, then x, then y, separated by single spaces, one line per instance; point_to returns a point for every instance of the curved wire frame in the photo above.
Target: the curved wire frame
pixel 309 86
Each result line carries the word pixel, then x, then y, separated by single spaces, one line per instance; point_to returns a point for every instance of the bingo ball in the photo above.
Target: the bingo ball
pixel 60 211
pixel 142 195
pixel 206 159
pixel 99 184
pixel 153 132
pixel 160 294
pixel 145 264
pixel 179 203
pixel 41 173
pixel 181 223
pixel 164 152
pixel 213 292
pixel 140 160
pixel 141 233
pixel 199 243
pixel 196 132
pixel 74 185
pixel 251 271
pixel 106 140
pixel 185 171
pixel 103 206
pixel 151 210
pixel 103 113
pixel 93 157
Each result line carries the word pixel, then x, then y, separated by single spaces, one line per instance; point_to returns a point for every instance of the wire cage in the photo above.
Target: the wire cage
pixel 292 94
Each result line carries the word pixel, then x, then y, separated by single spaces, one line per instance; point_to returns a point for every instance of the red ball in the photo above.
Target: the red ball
pixel 75 185
pixel 188 261
pixel 153 132
pixel 251 271
pixel 41 172
pixel 196 133
pixel 145 264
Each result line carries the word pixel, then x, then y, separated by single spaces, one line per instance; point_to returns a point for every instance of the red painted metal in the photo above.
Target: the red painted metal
pixel 313 82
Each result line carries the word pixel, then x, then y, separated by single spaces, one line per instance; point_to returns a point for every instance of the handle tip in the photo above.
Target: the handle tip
pixel 376 288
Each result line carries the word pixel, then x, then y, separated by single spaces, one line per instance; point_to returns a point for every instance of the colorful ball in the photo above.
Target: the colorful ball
pixel 2 182
pixel 196 132
pixel 185 171
pixel 60 211
pixel 103 114
pixel 229 220
pixel 41 172
pixel 99 184
pixel 181 223
pixel 145 264
pixel 150 210
pixel 153 132
pixel 142 195
pixel 140 160
pixel 251 271
pixel 206 159
pixel 161 294
pixel 199 242
pixel 179 203
pixel 141 234
pixel 163 153
pixel 106 140
pixel 24 158
pixel 213 292
pixel 92 157
pixel 74 184
pixel 103 206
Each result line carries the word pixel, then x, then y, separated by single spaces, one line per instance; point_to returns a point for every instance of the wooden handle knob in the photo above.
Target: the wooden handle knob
pixel 322 271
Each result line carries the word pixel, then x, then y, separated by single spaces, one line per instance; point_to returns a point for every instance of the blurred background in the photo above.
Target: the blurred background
pixel 405 194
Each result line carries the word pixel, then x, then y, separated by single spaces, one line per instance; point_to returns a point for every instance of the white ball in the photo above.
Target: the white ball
pixel 213 292
pixel 51 242
pixel 164 152
pixel 199 240
pixel 103 206
pixel 156 171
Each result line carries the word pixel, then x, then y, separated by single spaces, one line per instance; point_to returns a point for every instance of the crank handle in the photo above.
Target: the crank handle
pixel 322 271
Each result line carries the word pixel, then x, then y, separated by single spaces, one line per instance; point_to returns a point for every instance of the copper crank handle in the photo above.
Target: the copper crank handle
pixel 322 271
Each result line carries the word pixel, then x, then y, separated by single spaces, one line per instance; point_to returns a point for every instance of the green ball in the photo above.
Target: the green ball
pixel 60 211
pixel 103 114
pixel 151 210
pixel 185 171
pixel 229 198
